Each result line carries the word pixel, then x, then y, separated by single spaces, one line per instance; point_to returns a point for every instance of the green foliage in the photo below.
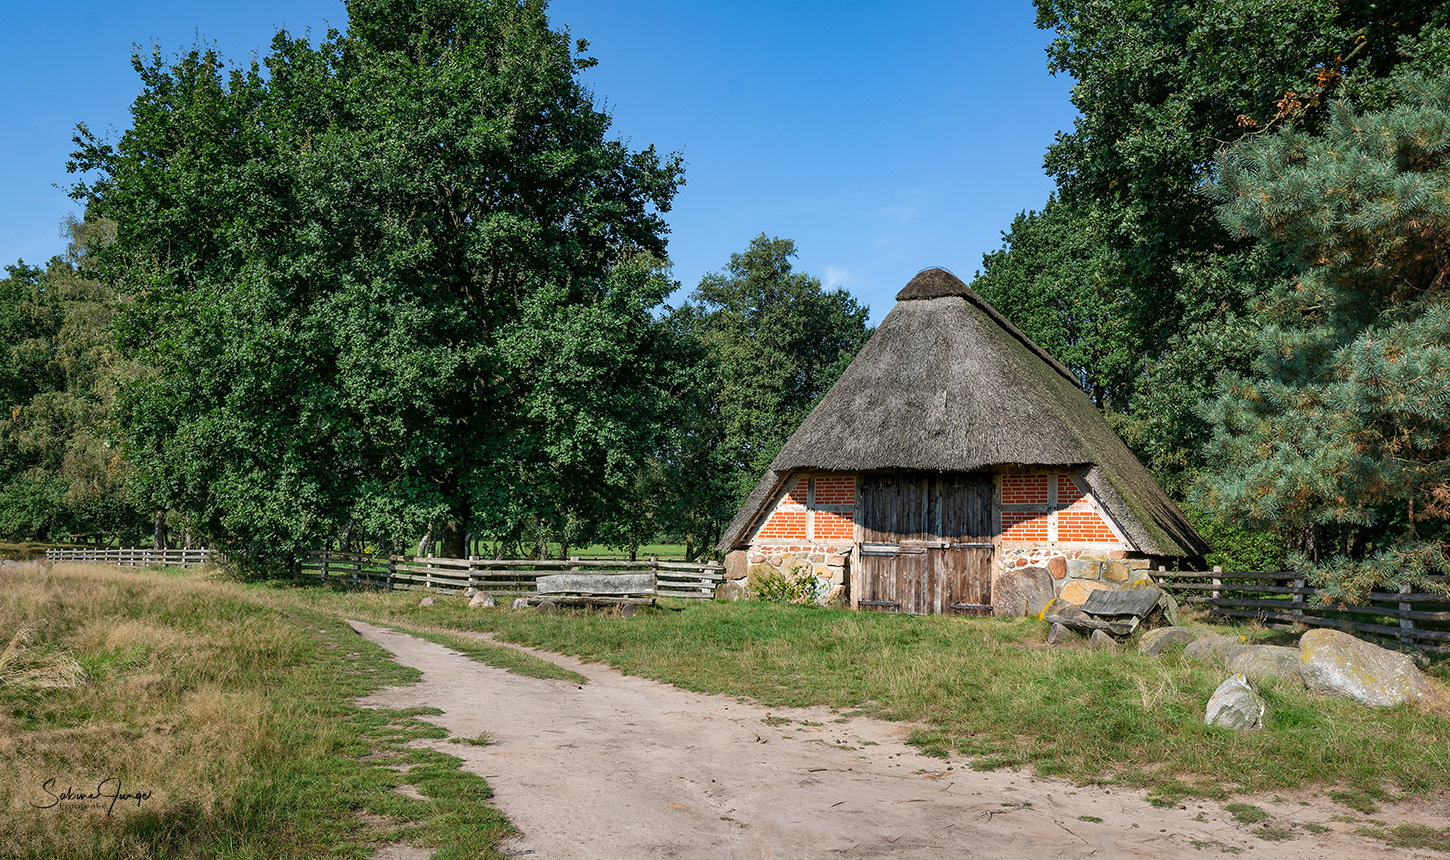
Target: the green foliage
pixel 770 342
pixel 1057 279
pixel 59 475
pixel 398 282
pixel 1126 275
pixel 1342 431
pixel 798 586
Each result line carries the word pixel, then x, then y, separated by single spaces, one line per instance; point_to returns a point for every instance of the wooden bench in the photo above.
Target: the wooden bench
pixel 596 589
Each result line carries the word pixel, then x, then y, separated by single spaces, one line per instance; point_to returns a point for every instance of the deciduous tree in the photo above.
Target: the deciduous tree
pixel 397 278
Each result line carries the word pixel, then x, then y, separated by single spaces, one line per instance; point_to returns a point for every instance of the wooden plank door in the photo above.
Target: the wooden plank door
pixel 961 564
pixel 893 563
pixel 926 544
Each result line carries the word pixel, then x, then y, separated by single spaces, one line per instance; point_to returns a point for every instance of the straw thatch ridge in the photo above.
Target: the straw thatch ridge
pixel 946 384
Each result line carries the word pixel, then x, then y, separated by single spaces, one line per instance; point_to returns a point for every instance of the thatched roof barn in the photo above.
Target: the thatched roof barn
pixel 948 386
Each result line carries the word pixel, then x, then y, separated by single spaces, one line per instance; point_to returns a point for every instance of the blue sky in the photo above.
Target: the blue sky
pixel 882 139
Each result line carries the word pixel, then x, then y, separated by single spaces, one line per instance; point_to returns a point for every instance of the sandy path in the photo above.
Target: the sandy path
pixel 628 767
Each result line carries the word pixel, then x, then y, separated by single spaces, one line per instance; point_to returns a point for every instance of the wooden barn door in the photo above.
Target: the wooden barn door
pixel 892 509
pixel 926 543
pixel 962 566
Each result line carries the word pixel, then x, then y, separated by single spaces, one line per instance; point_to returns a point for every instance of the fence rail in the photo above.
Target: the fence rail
pixel 136 556
pixel 500 576
pixel 1284 599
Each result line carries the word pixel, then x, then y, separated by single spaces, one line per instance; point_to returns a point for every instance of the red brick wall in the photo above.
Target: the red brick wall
pixel 785 525
pixel 797 494
pixel 1083 527
pixel 836 491
pixel 1025 525
pixel 1067 492
pixel 832 526
pixel 1024 490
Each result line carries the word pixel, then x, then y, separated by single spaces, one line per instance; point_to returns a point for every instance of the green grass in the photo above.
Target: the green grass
pixel 671 551
pixel 984 688
pixel 229 710
pixel 1245 813
pixel 1411 836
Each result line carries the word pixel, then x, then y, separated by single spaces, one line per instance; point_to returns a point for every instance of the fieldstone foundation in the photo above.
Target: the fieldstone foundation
pixel 1076 573
pixel 828 564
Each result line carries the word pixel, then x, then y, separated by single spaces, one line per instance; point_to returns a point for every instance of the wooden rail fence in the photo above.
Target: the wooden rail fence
pixel 135 556
pixel 500 576
pixel 1282 599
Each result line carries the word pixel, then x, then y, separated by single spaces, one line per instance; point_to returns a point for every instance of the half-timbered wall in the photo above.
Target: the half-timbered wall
pixel 811 528
pixel 1039 519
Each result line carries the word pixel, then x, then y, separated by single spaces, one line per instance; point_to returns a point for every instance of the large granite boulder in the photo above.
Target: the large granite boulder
pixel 1022 591
pixel 1337 664
pixel 1235 705
pixel 1260 662
pixel 1155 642
pixel 482 600
pixel 1210 649
pixel 730 591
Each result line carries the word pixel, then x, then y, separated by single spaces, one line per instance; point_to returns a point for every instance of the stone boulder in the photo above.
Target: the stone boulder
pixel 427 601
pixel 1235 705
pixel 1337 664
pixel 730 590
pixel 1210 649
pixel 482 600
pixel 1022 591
pixel 1101 639
pixel 1077 590
pixel 1260 662
pixel 1058 633
pixel 1155 642
pixel 519 603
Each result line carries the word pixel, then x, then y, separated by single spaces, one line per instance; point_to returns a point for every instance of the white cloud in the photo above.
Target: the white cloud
pixel 835 278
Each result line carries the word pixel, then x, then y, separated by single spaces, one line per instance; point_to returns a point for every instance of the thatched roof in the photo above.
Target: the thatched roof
pixel 947 384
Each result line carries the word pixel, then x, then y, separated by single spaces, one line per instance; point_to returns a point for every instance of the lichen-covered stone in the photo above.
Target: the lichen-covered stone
pixel 1337 664
pixel 1022 591
pixel 730 591
pixel 1210 649
pixel 1155 642
pixel 1084 568
pixel 1260 662
pixel 1115 571
pixel 1235 705
pixel 1076 591
pixel 1169 607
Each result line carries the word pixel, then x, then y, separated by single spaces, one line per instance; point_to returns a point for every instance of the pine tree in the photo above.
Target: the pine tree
pixel 1341 434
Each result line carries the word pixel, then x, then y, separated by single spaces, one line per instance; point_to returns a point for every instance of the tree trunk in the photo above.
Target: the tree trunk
pixel 454 543
pixel 159 534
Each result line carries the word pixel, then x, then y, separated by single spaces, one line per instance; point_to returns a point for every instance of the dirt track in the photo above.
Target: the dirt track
pixel 628 767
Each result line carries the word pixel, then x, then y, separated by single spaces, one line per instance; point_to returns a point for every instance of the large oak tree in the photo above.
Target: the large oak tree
pixel 396 281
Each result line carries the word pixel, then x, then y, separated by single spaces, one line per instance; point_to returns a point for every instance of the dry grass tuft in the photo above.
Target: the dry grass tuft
pixel 40 668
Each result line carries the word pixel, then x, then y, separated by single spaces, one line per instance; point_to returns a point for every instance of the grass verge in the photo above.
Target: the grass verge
pixel 164 715
pixel 985 688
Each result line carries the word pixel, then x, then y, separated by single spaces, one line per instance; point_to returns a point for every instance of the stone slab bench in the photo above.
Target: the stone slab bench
pixel 596 589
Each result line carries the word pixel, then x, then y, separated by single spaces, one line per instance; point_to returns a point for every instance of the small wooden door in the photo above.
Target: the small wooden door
pixel 926 546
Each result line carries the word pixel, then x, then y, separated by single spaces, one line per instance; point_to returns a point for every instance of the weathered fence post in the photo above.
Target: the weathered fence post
pixel 1298 597
pixel 1406 623
pixel 1217 583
